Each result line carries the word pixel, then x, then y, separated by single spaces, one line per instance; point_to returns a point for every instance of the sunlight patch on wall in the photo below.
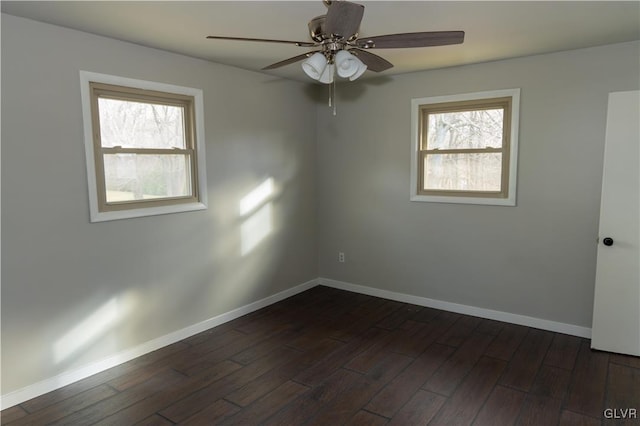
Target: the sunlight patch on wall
pixel 257 197
pixel 91 328
pixel 257 210
pixel 255 229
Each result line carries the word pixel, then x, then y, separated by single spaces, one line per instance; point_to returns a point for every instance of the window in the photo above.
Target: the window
pixel 144 144
pixel 465 148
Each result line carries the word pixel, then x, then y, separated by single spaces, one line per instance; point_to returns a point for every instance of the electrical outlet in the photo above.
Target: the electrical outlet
pixel 341 257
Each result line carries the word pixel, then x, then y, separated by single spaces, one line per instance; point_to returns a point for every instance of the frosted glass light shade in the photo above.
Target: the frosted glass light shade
pixel 315 65
pixel 327 75
pixel 346 64
pixel 361 69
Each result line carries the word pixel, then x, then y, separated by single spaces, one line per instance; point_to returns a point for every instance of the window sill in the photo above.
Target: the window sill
pixel 147 211
pixel 465 200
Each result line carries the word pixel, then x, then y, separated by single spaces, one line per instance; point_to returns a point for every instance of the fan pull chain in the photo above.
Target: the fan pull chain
pixel 332 90
pixel 332 97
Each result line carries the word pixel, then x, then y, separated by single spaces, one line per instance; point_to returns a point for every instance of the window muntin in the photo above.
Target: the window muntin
pixel 464 148
pixel 145 153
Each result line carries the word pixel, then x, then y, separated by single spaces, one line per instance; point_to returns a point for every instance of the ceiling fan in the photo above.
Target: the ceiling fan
pixel 339 49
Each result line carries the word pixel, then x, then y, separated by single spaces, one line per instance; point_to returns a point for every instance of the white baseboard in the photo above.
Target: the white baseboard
pixel 542 324
pixel 66 378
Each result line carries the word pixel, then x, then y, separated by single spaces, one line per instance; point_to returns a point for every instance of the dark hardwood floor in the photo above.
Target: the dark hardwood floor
pixel 331 357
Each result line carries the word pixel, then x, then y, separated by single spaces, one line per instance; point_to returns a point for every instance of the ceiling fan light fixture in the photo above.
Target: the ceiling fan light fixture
pixel 315 66
pixel 346 64
pixel 341 51
pixel 327 74
pixel 361 69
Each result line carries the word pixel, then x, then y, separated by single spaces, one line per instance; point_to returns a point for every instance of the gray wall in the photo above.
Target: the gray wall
pixel 536 259
pixel 130 281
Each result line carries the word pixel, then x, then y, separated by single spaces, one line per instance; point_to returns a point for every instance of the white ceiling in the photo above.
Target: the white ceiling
pixel 494 30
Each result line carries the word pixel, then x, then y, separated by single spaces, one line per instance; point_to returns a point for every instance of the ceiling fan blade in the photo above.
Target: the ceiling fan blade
pixel 343 18
pixel 373 62
pixel 289 61
pixel 423 39
pixel 265 40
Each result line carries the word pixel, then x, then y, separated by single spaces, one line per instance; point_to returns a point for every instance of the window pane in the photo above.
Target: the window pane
pixel 465 129
pixel 463 172
pixel 146 176
pixel 140 125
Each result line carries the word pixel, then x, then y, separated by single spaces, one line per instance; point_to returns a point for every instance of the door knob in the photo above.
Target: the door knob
pixel 607 241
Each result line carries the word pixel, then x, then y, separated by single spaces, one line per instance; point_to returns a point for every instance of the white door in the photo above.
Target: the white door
pixel 616 310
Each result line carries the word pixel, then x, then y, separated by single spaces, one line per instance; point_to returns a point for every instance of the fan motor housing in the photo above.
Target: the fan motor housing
pixel 316 28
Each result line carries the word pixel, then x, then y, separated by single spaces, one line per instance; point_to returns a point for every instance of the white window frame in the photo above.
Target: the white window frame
pixel 200 203
pixel 416 103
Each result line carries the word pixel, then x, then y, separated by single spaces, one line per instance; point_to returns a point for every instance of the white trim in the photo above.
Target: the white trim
pixel 539 323
pixel 68 377
pixel 96 216
pixel 513 162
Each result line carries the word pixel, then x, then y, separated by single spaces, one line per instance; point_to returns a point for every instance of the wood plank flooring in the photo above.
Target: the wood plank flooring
pixel 331 357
